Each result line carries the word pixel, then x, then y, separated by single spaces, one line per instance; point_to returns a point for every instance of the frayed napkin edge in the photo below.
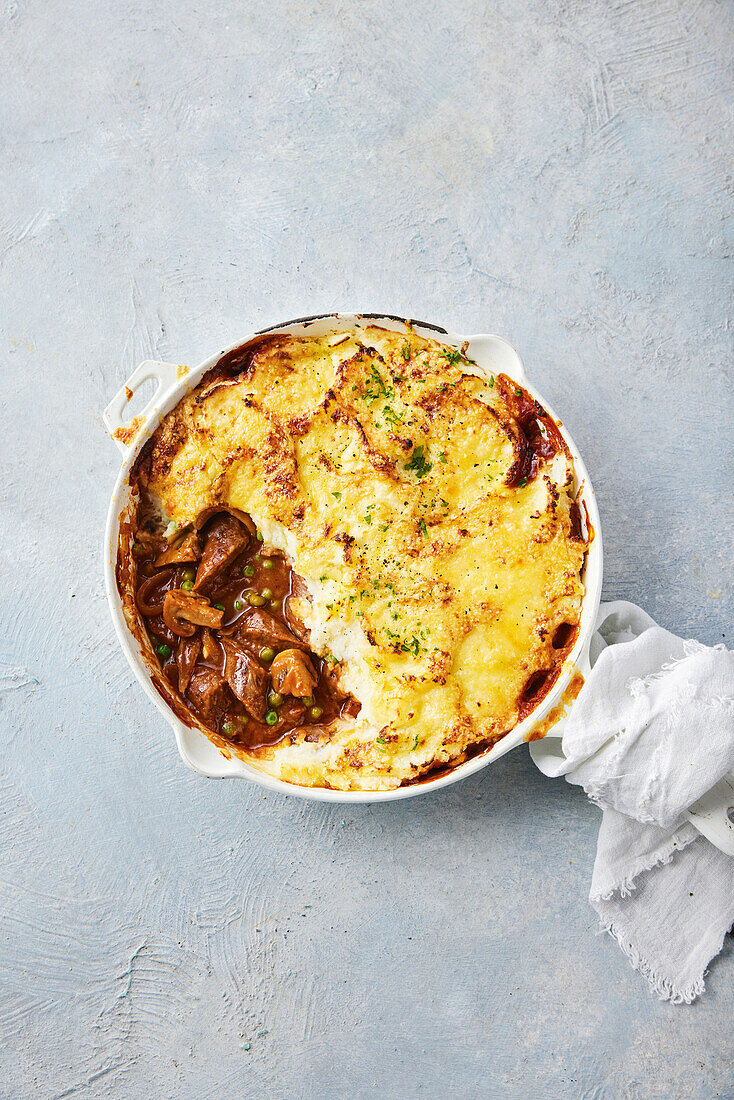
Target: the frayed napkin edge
pixel 663 987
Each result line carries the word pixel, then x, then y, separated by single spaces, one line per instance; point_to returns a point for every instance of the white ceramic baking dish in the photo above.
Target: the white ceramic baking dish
pixel 493 355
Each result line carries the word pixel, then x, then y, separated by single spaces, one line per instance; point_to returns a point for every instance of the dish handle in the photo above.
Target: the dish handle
pixel 712 815
pixel 124 430
pixel 495 354
pixel 547 753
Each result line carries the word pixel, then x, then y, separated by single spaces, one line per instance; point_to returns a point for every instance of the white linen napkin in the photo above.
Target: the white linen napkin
pixel 652 731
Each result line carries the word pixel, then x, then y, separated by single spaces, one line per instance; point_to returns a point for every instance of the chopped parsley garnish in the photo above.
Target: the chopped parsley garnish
pixel 391 416
pixel 442 457
pixel 415 743
pixel 337 495
pixel 414 645
pixel 419 463
pixel 422 526
pixel 454 357
pixel 518 391
pixel 376 387
pixel 522 483
pixel 406 352
pixel 491 381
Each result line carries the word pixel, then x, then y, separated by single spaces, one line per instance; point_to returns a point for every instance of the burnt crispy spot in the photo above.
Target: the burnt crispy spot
pixel 232 456
pixel 299 425
pixel 439 663
pixel 376 458
pixel 553 496
pixel 242 362
pixel 433 403
pixel 347 542
pixel 157 454
pixel 379 461
pixel 142 464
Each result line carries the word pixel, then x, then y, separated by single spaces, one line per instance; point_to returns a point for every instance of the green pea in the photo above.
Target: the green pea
pixel 316 712
pixel 267 594
pixel 257 558
pixel 249 571
pixel 259 536
pixel 219 607
pixel 275 698
pixel 268 563
pixel 271 718
pixel 238 605
pixel 307 700
pixel 187 585
pixel 138 549
pixel 163 650
pixel 255 599
pixel 267 654
pixel 189 574
pixel 228 728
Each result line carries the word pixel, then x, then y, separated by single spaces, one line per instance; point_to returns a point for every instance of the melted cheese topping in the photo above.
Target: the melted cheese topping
pixel 382 464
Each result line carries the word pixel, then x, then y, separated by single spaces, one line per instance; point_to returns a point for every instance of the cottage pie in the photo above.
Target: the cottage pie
pixel 356 558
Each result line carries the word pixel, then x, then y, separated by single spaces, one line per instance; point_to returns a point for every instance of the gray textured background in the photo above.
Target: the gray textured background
pixel 171 177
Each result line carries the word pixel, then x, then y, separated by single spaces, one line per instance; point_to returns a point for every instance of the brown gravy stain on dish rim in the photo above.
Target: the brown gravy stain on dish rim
pixel 570 693
pixel 127 434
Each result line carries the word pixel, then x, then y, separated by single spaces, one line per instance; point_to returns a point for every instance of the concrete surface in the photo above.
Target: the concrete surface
pixel 171 177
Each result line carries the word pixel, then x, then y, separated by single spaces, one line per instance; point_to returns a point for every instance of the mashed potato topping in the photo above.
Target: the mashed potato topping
pixel 428 508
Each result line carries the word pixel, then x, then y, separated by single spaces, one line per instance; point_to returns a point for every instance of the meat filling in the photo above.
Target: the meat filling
pixel 215 602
